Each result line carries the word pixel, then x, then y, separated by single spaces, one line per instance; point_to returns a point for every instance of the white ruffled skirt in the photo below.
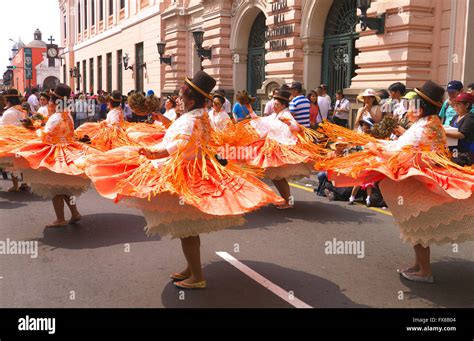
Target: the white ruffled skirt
pixel 48 184
pixel 426 217
pixel 165 215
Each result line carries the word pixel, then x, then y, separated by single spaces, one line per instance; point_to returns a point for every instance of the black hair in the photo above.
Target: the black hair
pixel 383 94
pixel 13 100
pixel 400 87
pixel 199 99
pixel 428 108
pixel 285 103
pixel 471 86
pixel 340 92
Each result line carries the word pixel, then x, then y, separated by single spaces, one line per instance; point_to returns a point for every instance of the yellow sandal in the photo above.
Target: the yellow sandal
pixel 199 285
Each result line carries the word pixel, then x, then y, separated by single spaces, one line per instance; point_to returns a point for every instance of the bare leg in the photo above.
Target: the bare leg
pixel 423 258
pixel 369 194
pixel 70 202
pixel 284 189
pixel 15 184
pixel 354 192
pixel 58 204
pixel 191 249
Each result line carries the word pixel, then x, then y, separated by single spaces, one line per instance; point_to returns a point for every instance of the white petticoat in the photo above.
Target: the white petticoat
pixel 294 172
pixel 48 184
pixel 426 217
pixel 165 215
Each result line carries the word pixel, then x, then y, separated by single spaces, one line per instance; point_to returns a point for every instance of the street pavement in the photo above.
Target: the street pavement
pixel 107 261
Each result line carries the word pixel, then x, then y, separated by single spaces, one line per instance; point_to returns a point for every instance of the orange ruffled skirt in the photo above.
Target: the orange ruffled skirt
pixel 430 197
pixel 146 134
pixel 11 138
pixel 104 137
pixel 279 160
pixel 178 196
pixel 54 169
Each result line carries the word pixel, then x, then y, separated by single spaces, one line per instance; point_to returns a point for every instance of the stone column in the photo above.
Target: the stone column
pixel 285 62
pixel 406 52
pixel 216 24
pixel 312 57
pixel 175 36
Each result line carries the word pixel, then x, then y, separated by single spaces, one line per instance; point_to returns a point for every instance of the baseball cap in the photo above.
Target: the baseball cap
pixel 455 86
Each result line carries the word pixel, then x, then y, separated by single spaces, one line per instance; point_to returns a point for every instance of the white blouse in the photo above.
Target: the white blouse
pixel 171 115
pixel 218 121
pixel 115 117
pixel 12 116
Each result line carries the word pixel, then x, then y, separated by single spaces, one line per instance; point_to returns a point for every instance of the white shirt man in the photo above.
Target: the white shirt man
pixel 345 106
pixel 324 107
pixel 227 106
pixel 269 108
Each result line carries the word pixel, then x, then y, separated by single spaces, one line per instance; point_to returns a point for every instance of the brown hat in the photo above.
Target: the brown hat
pixel 431 93
pixel 12 93
pixel 116 96
pixel 202 83
pixel 243 96
pixel 61 91
pixel 283 95
pixel 220 96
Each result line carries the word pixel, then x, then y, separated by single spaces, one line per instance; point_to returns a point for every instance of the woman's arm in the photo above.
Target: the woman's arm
pixel 161 118
pixel 152 155
pixel 377 112
pixel 251 112
pixel 358 117
pixel 455 135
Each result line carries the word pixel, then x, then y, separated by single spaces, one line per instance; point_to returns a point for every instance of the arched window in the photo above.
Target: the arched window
pixel 339 45
pixel 256 57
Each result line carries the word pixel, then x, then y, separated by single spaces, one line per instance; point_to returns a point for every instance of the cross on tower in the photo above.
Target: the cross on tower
pixel 51 40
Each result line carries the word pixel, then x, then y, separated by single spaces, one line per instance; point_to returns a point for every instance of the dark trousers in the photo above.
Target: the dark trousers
pixel 341 122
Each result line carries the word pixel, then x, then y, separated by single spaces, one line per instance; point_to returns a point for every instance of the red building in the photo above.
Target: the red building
pixel 25 61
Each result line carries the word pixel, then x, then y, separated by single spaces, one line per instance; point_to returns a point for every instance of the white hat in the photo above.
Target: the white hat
pixel 368 93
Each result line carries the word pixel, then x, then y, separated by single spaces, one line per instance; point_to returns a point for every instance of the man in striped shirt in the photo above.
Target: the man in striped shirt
pixel 300 105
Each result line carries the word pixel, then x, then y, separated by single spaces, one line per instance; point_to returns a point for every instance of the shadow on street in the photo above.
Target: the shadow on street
pixel 97 230
pixel 230 288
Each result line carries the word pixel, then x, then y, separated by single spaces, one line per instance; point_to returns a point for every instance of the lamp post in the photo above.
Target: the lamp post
pixel 161 50
pixel 74 73
pixel 126 60
pixel 376 24
pixel 203 53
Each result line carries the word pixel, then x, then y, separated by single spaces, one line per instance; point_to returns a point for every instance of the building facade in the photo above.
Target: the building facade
pixel 260 44
pixel 30 67
pixel 98 34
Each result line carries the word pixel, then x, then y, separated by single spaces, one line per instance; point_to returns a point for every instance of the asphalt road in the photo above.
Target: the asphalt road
pixel 108 261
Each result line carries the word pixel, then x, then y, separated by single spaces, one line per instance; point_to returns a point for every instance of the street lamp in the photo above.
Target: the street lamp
pixel 126 60
pixel 161 50
pixel 74 73
pixel 377 24
pixel 198 36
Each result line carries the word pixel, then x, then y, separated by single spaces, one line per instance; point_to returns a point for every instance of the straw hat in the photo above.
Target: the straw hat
pixel 368 93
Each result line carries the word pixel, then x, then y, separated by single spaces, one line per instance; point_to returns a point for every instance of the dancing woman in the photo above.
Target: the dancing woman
pixel 429 196
pixel 280 146
pixel 53 165
pixel 179 185
pixel 110 133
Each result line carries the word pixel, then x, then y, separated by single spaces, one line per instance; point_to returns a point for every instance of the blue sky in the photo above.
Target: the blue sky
pixel 20 18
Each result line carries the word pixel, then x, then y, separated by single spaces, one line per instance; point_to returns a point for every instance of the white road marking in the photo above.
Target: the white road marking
pixel 284 295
